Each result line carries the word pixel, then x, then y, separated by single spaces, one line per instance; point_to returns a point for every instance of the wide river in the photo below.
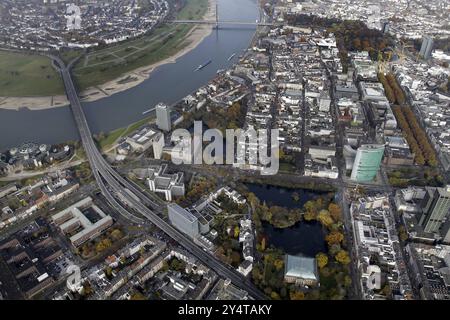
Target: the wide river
pixel 168 83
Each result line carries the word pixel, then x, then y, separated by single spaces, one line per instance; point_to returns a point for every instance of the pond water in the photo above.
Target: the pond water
pixel 278 196
pixel 304 238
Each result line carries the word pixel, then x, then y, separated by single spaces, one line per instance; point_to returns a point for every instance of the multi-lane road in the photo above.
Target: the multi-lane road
pixel 144 208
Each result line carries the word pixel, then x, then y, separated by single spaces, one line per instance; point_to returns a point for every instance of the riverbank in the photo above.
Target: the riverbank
pixel 126 81
pixel 33 103
pixel 136 77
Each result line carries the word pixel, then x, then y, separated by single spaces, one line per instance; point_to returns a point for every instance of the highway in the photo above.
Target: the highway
pixel 113 186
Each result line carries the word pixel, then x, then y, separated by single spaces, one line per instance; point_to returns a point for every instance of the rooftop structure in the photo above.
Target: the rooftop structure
pixel 431 265
pixel 142 140
pixel 83 221
pixel 301 270
pixel 367 162
pixel 426 48
pixel 183 220
pixel 436 209
pixel 102 22
pixel 372 91
pixel 225 290
pixel 169 184
pixel 31 257
pixel 376 240
pixel 163 119
pixel 50 189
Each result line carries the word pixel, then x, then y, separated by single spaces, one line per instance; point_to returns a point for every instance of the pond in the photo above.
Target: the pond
pixel 278 196
pixel 304 238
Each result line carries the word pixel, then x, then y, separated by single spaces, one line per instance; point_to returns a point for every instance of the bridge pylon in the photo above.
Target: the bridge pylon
pixel 217 16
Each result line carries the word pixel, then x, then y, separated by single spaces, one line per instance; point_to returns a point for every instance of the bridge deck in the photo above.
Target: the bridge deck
pixel 213 22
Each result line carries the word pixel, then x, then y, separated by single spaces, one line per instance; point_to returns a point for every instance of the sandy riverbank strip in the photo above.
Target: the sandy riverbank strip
pixel 33 103
pixel 125 82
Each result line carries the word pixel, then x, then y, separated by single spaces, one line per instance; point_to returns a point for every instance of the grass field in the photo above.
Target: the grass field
pixel 32 75
pixel 110 63
pixel 68 55
pixel 111 137
pixel 26 75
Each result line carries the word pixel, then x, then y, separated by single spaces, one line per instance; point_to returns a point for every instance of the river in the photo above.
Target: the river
pixel 168 83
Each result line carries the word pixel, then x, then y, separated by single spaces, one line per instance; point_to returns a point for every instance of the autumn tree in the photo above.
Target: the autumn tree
pixel 309 216
pixel 137 296
pixel 116 234
pixel 415 136
pixel 297 295
pixel 334 237
pixel 87 290
pixel 236 231
pixel 343 257
pixel 278 263
pixel 274 296
pixel 103 245
pixel 402 233
pixel 322 259
pixel 335 211
pixel 390 95
pixel 334 249
pixel 310 206
pixel 235 258
pixel 324 218
pixel 263 244
pixel 108 271
pixel 347 281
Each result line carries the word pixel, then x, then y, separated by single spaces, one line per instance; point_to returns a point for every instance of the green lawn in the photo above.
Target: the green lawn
pixel 193 10
pixel 68 55
pixel 109 63
pixel 32 75
pixel 28 75
pixel 111 137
